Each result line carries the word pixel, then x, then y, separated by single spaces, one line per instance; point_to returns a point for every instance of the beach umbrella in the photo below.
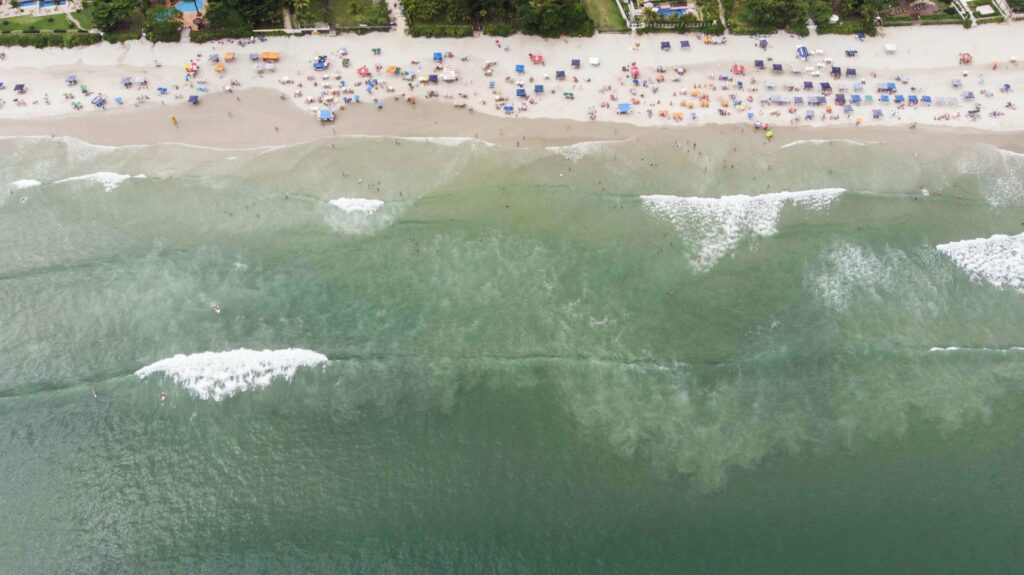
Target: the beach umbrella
pixel 193 99
pixel 326 115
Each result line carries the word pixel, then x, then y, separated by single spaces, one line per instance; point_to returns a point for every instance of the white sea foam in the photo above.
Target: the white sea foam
pixel 717 225
pixel 1009 154
pixel 446 141
pixel 357 205
pixel 109 180
pixel 982 349
pixel 580 150
pixel 823 142
pixel 219 375
pixel 998 260
pixel 23 184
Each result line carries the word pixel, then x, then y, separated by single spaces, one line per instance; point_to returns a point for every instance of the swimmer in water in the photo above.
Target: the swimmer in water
pixel 163 396
pixel 215 308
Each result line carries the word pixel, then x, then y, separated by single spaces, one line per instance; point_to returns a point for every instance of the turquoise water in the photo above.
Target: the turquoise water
pixel 517 361
pixel 189 5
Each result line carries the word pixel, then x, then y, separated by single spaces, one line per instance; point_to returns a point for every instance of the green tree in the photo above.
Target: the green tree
pixel 111 15
pixel 820 11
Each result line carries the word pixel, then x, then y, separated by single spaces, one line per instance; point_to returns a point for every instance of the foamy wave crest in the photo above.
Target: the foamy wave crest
pixel 109 180
pixel 357 205
pixel 447 141
pixel 998 260
pixel 823 142
pixel 847 269
pixel 1009 154
pixel 24 184
pixel 718 225
pixel 999 174
pixel 982 349
pixel 219 375
pixel 578 151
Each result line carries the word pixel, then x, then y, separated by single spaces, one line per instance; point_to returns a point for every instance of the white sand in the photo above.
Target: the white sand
pixel 928 56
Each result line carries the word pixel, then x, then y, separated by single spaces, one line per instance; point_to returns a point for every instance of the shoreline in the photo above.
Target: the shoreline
pixel 675 87
pixel 223 122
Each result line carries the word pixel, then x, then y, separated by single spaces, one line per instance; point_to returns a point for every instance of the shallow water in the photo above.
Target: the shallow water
pixel 615 357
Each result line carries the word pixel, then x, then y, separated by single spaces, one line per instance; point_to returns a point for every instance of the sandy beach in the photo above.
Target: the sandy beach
pixel 693 86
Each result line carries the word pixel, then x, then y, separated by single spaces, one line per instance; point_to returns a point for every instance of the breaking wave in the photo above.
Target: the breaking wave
pixel 718 225
pixel 998 260
pixel 219 375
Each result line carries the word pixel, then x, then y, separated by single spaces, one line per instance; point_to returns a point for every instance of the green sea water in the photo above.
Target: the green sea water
pixel 632 357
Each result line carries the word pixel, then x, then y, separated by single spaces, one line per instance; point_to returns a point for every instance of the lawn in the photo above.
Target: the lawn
pixel 84 17
pixel 605 14
pixel 22 23
pixel 343 13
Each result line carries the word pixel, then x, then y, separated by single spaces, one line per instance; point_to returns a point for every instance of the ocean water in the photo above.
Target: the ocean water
pixel 406 356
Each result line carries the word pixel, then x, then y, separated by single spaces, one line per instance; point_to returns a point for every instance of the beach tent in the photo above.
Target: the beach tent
pixel 432 78
pixel 193 99
pixel 777 68
pixel 595 61
pixel 861 36
pixel 809 115
pixel 913 99
pixel 71 80
pixel 666 46
pixel 802 52
pixel 521 92
pixel 508 109
pixel 141 80
pixel 953 102
pixel 855 98
pixel 836 71
pixel 869 99
pixel 253 56
pixel 762 44
pixel 884 98
pixel 851 53
pixel 890 86
pixel 851 72
pixel 326 115
pixel 560 75
pixel 363 71
pixel 438 56
pixel 899 99
pixel 218 68
pixel 491 84
pixel 738 69
pixel 957 83
pixel 876 113
pixel 536 58
pixel 270 56
pixel 269 66
pixel 19 88
pixel 449 75
pixel 161 90
pixel 126 81
pixel 798 100
pixel 858 87
pixel 229 56
pixel 538 89
pixel 575 63
pixel 98 101
pixel 966 95
pixel 840 99
pixel 520 68
pixel 890 48
pixel 684 43
pixel 826 87
pixel 214 58
pixel 759 64
pixel 624 108
pixel 118 100
pixel 808 85
pixel 847 108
